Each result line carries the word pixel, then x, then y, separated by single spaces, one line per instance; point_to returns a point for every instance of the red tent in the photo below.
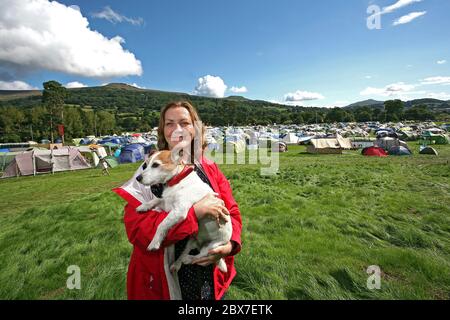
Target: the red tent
pixel 374 152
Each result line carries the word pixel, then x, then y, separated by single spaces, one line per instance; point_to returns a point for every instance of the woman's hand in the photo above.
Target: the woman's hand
pixel 211 206
pixel 214 255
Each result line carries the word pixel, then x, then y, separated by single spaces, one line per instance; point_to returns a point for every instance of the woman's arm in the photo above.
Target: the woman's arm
pixel 141 227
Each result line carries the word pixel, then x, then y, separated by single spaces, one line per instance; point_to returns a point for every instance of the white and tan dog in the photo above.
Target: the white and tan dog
pixel 183 188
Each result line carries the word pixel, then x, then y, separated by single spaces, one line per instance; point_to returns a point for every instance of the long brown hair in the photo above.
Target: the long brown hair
pixel 198 147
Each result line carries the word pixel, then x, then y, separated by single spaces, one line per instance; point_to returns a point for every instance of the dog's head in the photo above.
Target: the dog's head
pixel 160 167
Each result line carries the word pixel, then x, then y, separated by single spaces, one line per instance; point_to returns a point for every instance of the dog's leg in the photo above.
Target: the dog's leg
pixel 149 205
pixel 191 244
pixel 174 217
pixel 204 253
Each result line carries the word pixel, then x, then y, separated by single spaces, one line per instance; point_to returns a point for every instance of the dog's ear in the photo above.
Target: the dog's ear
pixel 177 153
pixel 152 152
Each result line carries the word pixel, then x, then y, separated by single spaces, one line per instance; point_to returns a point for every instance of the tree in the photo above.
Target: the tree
pixel 393 109
pixel 106 123
pixel 53 97
pixel 419 112
pixel 73 122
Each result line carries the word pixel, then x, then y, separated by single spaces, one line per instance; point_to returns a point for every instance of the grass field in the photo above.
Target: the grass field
pixel 308 233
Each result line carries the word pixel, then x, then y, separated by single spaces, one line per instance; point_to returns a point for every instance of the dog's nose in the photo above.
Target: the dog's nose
pixel 139 178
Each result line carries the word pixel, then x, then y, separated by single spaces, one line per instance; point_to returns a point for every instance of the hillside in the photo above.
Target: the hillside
pixel 430 103
pixel 122 97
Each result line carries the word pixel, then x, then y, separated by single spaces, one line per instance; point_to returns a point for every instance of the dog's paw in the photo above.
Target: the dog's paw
pixel 222 266
pixel 143 208
pixel 154 245
pixel 175 267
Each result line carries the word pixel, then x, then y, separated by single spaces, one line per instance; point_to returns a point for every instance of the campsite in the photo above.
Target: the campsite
pixel 310 232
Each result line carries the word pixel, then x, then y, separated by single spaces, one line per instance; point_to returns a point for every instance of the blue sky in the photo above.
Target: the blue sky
pixel 312 53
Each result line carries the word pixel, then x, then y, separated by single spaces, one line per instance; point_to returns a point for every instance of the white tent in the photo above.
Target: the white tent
pixel 290 138
pixel 329 145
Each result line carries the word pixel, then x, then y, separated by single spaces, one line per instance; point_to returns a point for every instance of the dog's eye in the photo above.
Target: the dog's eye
pixel 155 165
pixel 144 166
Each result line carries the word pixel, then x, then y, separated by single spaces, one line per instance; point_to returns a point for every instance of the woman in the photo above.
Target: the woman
pixel 148 275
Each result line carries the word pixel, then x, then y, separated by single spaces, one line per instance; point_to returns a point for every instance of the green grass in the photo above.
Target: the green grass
pixel 308 233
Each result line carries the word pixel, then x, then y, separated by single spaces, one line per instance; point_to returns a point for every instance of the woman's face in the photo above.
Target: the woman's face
pixel 178 124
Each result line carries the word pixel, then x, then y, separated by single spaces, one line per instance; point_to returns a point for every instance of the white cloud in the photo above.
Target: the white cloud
pixel 368 77
pixel 298 96
pixel 441 62
pixel 242 89
pixel 38 34
pixel 341 103
pixel 136 86
pixel 114 17
pixel 390 90
pixel 75 84
pixel 436 80
pixel 16 85
pixel 210 86
pixel 408 18
pixel 440 96
pixel 399 4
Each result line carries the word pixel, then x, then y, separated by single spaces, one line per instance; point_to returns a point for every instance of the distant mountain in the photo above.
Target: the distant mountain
pixel 430 103
pixel 365 103
pixel 18 94
pixel 121 96
pixel 237 98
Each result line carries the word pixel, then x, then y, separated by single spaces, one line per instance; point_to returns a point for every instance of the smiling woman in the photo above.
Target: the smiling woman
pixel 149 275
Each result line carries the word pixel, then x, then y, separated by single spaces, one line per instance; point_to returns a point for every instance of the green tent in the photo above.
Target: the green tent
pixel 112 162
pixel 435 138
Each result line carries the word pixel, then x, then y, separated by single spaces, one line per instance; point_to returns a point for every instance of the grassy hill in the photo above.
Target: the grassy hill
pixel 308 233
pixel 122 96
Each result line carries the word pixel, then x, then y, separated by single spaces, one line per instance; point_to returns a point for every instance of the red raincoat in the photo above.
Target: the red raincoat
pixel 148 275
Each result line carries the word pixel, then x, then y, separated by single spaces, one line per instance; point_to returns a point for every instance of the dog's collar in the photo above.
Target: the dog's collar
pixel 183 174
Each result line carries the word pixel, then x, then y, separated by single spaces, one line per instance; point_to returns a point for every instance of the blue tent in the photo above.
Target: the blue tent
pixel 399 151
pixel 131 153
pixel 112 140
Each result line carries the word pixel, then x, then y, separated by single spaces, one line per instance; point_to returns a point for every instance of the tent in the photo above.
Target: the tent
pixel 234 143
pixel 305 139
pixel 329 145
pixel 131 153
pixel 46 161
pixel 374 152
pixel 435 138
pixel 428 150
pixel 90 155
pixel 112 162
pixel 388 142
pixel 6 158
pixel 399 151
pixel 290 138
pixel 111 146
